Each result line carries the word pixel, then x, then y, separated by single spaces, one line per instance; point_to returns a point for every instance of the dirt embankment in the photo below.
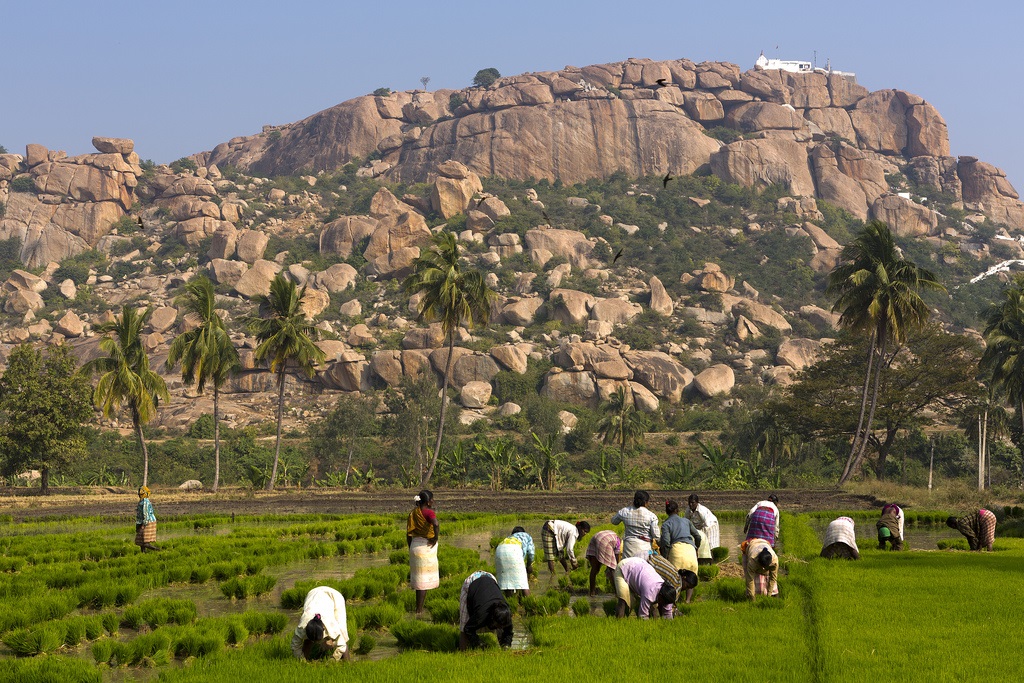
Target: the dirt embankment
pixel 26 504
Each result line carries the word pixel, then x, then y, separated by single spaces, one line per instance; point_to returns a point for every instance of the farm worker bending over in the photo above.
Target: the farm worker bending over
pixel 978 527
pixel 707 527
pixel 890 527
pixel 840 541
pixel 636 577
pixel 322 631
pixel 641 526
pixel 760 568
pixel 604 548
pixel 678 543
pixel 145 522
pixel 559 539
pixel 513 561
pixel 482 606
pixel 421 537
pixel 680 579
pixel 763 522
pixel 772 504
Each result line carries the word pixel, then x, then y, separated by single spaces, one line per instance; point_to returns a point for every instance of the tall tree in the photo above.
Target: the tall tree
pixel 44 404
pixel 931 377
pixel 453 296
pixel 348 428
pixel 285 339
pixel 126 379
pixel 622 424
pixel 1003 359
pixel 878 293
pixel 206 353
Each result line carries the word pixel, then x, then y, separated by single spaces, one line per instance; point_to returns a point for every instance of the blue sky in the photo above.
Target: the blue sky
pixel 179 77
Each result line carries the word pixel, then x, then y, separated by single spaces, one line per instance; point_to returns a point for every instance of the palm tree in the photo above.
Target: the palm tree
pixel 878 292
pixel 285 337
pixel 623 424
pixel 126 378
pixel 453 296
pixel 206 353
pixel 1003 359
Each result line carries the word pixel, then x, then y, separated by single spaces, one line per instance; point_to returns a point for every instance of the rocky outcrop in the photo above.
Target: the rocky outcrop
pixel 74 201
pixel 718 379
pixel 765 162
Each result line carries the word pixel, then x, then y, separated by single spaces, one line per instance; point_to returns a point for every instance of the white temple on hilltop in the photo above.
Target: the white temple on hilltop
pixel 801 67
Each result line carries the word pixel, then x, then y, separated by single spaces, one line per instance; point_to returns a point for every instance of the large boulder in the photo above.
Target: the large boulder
pixel 718 379
pixel 430 337
pixel 394 237
pixel 798 354
pixel 764 162
pixel 314 302
pixel 510 356
pixel 23 301
pixel 615 311
pixel 755 116
pixel 163 318
pixel 475 394
pixel 222 246
pixel 70 325
pixel 387 365
pixel 522 311
pixel 454 188
pixel 477 367
pixel 226 272
pixel 985 188
pixel 350 372
pixel 905 217
pixel 661 302
pixel 256 280
pixel 570 387
pixel 341 235
pixel 661 373
pixel 569 244
pixel 570 306
pixel 762 315
pixel 643 398
pixel 880 120
pixel 335 279
pixel 250 245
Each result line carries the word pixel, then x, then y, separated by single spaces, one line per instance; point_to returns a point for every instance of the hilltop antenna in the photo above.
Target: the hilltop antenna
pixel 815 59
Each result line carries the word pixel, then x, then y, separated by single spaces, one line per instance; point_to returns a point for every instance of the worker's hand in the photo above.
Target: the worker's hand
pixel 431 542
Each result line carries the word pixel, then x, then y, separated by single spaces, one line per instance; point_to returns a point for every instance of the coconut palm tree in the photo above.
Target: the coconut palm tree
pixel 622 424
pixel 206 353
pixel 285 339
pixel 126 379
pixel 878 292
pixel 1003 359
pixel 453 296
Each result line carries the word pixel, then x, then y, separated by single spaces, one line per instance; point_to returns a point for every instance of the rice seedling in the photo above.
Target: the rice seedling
pixel 609 607
pixel 708 572
pixel 264 623
pixel 581 607
pixel 730 589
pixel 243 587
pixel 237 633
pixel 49 669
pixel 416 635
pixel 195 644
pixel 366 644
pixel 443 611
pixel 719 554
pixel 953 544
pixel 111 621
pixel 29 642
pixel 379 616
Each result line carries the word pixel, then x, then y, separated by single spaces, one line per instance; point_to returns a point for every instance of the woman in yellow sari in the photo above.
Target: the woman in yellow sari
pixel 421 536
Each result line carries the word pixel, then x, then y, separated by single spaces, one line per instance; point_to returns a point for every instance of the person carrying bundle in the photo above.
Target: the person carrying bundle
pixel 707 528
pixel 890 527
pixel 559 541
pixel 421 535
pixel 641 526
pixel 760 568
pixel 145 522
pixel 482 606
pixel 513 561
pixel 322 632
pixel 678 542
pixel 979 528
pixel 605 548
pixel 840 541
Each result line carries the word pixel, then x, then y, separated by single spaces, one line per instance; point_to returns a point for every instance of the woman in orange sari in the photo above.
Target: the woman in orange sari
pixel 421 536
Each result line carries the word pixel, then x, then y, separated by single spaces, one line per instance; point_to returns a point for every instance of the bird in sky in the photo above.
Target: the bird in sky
pixel 617 255
pixel 548 219
pixel 668 177
pixel 661 82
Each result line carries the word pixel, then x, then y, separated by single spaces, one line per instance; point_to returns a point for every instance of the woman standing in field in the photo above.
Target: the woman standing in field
pixel 604 548
pixel 707 527
pixel 145 522
pixel 641 526
pixel 978 527
pixel 421 536
pixel 513 561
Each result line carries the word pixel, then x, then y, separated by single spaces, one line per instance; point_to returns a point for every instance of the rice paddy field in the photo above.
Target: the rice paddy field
pixel 79 602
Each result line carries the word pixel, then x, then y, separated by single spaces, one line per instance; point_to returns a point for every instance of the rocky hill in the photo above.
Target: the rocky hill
pixel 544 177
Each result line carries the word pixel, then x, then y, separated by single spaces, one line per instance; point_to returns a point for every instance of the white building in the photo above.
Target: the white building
pixel 800 67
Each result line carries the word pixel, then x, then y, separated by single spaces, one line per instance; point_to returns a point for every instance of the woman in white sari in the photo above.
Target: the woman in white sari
pixel 707 525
